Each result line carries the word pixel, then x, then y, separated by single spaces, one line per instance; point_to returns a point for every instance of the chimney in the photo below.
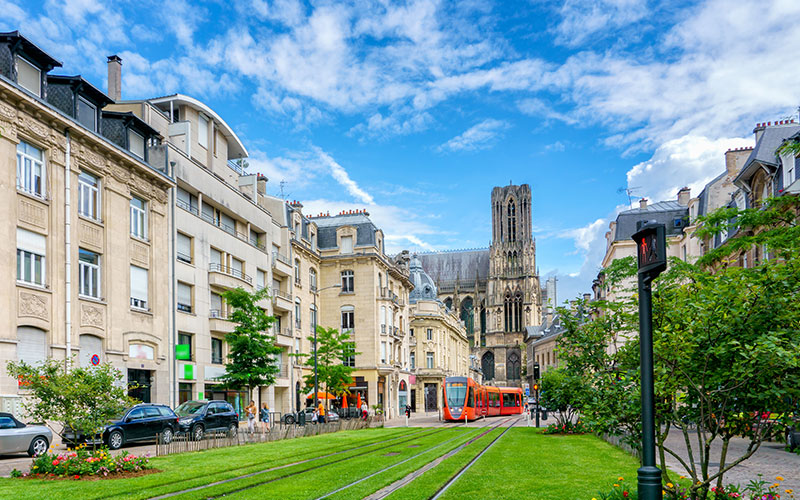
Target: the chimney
pixel 683 196
pixel 115 77
pixel 642 203
pixel 759 131
pixel 587 297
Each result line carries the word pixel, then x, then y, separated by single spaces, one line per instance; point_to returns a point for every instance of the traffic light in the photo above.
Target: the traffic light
pixel 536 371
pixel 535 387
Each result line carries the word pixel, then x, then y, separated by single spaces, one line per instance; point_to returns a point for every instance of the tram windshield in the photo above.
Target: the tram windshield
pixel 456 394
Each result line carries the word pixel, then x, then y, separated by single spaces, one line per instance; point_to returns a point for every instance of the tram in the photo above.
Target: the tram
pixel 465 398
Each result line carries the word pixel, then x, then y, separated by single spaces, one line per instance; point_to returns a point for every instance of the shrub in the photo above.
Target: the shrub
pixel 84 462
pixel 568 428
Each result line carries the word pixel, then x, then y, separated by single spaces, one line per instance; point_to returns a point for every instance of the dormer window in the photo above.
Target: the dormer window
pixel 29 76
pixel 87 114
pixel 136 144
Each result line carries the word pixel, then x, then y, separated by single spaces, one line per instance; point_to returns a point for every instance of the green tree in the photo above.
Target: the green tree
pixel 563 392
pixel 334 348
pixel 725 344
pixel 83 399
pixel 251 348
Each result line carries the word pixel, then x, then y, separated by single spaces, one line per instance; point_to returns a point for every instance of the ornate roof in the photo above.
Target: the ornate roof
pixel 424 287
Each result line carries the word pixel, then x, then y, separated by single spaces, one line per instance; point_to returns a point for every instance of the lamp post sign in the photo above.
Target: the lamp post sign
pixel 651 250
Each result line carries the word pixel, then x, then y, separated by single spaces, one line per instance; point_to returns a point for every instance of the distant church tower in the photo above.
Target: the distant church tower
pixel 513 292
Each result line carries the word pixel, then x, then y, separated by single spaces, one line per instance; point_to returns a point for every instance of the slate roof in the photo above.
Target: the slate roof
pixel 460 264
pixel 424 287
pixel 664 212
pixel 327 226
pixel 764 151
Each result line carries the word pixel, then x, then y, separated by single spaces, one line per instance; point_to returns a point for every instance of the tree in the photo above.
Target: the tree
pixel 83 399
pixel 334 349
pixel 251 349
pixel 725 343
pixel 564 392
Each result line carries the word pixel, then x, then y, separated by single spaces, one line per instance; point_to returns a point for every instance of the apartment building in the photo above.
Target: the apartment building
pixel 222 236
pixel 85 194
pixel 438 342
pixel 371 303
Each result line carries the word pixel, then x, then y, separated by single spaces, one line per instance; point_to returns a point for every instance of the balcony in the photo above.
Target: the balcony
pixel 218 321
pixel 227 277
pixel 282 300
pixel 281 264
pixel 282 377
pixel 284 338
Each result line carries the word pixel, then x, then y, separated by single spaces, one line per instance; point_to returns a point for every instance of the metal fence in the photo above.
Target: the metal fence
pixel 278 431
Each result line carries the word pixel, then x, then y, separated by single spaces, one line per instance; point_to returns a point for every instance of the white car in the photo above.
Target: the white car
pixel 16 437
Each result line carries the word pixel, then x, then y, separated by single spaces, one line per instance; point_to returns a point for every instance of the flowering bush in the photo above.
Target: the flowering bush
pixel 568 428
pixel 619 491
pixel 755 490
pixel 83 462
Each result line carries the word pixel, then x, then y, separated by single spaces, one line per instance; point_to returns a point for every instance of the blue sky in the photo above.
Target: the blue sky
pixel 415 110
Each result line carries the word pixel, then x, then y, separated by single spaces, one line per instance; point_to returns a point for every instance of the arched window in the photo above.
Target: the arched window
pixel 467 315
pixel 448 303
pixel 31 345
pixel 487 365
pixel 518 312
pixel 513 366
pixel 512 221
pixel 91 346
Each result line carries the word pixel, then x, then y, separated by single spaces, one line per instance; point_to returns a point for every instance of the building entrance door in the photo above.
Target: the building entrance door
pixel 430 397
pixel 140 378
pixel 413 400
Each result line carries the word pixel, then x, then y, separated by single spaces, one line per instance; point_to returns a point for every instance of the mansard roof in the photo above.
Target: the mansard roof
pixel 463 265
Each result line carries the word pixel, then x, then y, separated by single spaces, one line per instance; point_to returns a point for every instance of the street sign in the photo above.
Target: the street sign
pixel 527 391
pixel 651 248
pixel 95 360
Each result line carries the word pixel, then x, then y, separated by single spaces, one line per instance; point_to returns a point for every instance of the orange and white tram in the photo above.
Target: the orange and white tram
pixel 465 398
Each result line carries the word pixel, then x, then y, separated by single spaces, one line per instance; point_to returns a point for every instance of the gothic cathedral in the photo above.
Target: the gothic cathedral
pixel 496 290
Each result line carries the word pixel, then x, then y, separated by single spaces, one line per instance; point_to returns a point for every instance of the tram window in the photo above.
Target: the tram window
pixel 471 398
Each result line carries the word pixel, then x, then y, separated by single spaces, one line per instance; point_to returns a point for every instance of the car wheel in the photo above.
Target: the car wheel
pixel 197 432
pixel 115 440
pixel 289 419
pixel 233 430
pixel 38 446
pixel 166 435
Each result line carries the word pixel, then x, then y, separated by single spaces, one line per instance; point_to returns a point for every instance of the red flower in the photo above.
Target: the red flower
pixel 77 476
pixel 55 462
pixel 625 494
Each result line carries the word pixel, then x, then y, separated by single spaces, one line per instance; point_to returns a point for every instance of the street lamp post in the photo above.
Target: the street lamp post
pixel 316 313
pixel 652 260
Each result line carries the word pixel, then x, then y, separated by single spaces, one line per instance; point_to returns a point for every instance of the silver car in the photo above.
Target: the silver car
pixel 16 437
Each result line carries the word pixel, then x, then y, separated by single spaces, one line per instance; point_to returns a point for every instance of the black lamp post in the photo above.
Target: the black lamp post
pixel 652 259
pixel 316 313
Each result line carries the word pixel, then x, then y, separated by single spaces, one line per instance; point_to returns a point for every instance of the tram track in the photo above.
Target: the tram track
pixel 391 442
pixel 464 469
pixel 310 457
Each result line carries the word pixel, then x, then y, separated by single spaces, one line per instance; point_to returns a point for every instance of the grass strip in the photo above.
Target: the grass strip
pixel 386 478
pixel 315 483
pixel 544 468
pixel 276 475
pixel 187 469
pixel 426 485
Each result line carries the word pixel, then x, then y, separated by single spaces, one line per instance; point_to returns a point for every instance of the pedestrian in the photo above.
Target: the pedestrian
pixel 364 410
pixel 408 411
pixel 264 417
pixel 314 417
pixel 321 412
pixel 250 410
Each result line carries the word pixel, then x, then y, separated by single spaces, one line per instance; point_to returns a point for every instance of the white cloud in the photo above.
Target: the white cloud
pixel 690 161
pixel 479 136
pixel 557 147
pixel 582 20
pixel 342 177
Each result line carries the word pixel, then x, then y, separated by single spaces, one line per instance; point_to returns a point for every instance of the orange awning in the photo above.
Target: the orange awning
pixel 321 395
pixel 344 400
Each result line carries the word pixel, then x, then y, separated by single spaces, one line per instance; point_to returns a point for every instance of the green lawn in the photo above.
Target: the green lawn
pixel 522 464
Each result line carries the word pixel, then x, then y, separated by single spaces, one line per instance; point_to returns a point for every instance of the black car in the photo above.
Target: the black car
pixel 198 417
pixel 141 422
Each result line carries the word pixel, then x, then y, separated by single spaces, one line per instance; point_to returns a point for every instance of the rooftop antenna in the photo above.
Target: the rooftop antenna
pixel 629 191
pixel 283 195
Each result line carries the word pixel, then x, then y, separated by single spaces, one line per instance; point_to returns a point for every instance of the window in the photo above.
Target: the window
pixel 237 268
pixel 89 273
pixel 216 351
pixel 184 248
pixel 30 169
pixel 297 271
pixel 413 360
pixel 202 131
pixel 184 297
pixel 215 258
pixel 186 339
pixel 346 245
pixel 138 287
pixel 216 309
pixel 677 222
pixel 31 251
pixel 184 392
pixel 138 218
pixel 349 361
pixel 312 278
pixel 29 77
pixel 136 144
pixel 347 281
pixel 512 221
pixel 88 196
pixel 411 332
pixel 312 318
pixel 31 345
pixel 383 352
pixel 383 319
pixel 429 360
pixel 297 309
pixel 187 201
pixel 429 334
pixel 789 170
pixel 348 319
pixel 261 279
pixel 87 114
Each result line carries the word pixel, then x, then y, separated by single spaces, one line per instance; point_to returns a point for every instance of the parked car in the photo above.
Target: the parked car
pixel 142 422
pixel 16 437
pixel 291 418
pixel 196 418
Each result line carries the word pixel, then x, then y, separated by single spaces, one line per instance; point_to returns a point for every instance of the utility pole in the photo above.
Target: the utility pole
pixel 652 259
